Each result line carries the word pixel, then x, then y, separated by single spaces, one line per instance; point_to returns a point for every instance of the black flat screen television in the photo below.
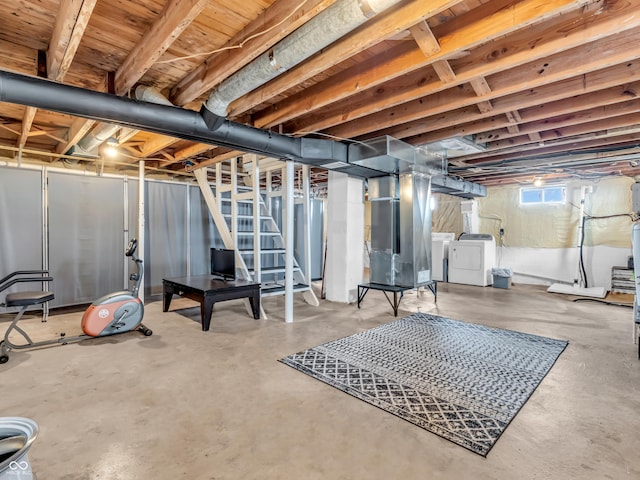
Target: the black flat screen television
pixel 223 263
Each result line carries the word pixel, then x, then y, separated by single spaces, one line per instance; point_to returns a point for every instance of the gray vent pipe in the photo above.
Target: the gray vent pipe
pixel 166 120
pixel 91 141
pixel 325 28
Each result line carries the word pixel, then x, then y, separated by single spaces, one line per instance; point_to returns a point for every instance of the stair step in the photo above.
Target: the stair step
pixel 269 290
pixel 264 234
pixel 277 269
pixel 239 201
pixel 249 251
pixel 262 217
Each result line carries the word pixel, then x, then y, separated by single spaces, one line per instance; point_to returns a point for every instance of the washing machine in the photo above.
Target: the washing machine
pixel 471 259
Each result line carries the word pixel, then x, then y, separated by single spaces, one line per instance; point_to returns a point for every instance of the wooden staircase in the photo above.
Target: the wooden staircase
pixel 242 215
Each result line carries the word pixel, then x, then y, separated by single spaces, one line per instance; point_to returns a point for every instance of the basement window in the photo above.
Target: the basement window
pixel 543 195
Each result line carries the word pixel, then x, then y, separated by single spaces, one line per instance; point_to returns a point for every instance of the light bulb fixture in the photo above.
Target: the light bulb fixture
pixel 538 181
pixel 111 149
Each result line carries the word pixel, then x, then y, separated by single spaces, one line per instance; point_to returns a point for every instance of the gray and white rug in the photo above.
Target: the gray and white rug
pixel 462 381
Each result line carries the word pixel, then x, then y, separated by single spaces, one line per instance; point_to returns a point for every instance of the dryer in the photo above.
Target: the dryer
pixel 471 259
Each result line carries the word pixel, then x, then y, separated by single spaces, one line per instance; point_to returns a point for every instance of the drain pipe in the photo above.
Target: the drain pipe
pixel 325 28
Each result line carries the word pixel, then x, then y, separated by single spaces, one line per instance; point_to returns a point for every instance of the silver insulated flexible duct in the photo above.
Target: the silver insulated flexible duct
pixel 325 28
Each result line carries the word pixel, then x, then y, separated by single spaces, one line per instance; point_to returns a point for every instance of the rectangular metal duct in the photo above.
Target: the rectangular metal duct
pixel 400 230
pixel 384 195
pixel 386 154
pixel 414 266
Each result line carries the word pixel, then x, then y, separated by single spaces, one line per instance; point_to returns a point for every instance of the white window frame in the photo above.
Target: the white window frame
pixel 544 190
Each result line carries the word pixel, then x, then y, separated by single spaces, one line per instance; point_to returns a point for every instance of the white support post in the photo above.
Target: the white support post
pixel 345 248
pixel 289 245
pixel 308 295
pixel 126 234
pixel 141 222
pixel 255 182
pixel 234 201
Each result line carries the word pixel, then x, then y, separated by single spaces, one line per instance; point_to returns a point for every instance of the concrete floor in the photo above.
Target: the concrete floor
pixel 218 405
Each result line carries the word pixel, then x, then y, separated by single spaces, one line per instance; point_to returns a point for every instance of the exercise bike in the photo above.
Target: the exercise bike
pixel 112 314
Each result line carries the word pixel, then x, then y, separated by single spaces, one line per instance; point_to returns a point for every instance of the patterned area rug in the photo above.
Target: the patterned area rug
pixel 461 381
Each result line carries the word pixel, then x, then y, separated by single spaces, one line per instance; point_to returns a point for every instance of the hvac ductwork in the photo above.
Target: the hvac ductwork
pixel 205 127
pixel 88 145
pixel 167 120
pixel 325 28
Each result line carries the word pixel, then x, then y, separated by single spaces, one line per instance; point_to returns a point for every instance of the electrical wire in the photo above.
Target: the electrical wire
pixel 616 304
pixel 241 44
pixel 582 269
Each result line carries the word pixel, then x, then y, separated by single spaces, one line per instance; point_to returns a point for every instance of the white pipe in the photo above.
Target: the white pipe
pixel 289 234
pixel 141 222
pixel 635 242
pixel 325 28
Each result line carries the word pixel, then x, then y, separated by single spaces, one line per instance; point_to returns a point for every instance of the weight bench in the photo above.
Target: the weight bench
pixel 23 300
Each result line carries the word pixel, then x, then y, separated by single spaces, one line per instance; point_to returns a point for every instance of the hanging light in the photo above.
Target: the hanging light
pixel 111 149
pixel 538 181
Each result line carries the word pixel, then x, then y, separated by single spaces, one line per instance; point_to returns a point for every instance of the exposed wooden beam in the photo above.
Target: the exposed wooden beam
pixel 217 159
pixel 157 143
pixel 373 32
pixel 574 144
pixel 464 119
pixel 424 37
pixel 27 121
pixel 12 127
pixel 480 86
pixel 559 133
pixel 534 136
pixel 581 60
pixel 176 16
pixel 444 71
pixel 514 119
pixel 426 40
pixel 222 64
pixel 71 22
pixel 192 150
pixel 18 58
pixel 79 128
pixel 574 30
pixel 581 108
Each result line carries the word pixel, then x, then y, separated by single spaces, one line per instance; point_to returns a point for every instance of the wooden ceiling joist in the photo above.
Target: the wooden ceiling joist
pixel 176 16
pixel 230 59
pixel 541 86
pixel 381 27
pixel 513 52
pixel 528 79
pixel 71 23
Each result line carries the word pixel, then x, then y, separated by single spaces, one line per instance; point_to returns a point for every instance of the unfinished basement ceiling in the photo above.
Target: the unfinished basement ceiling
pixel 530 88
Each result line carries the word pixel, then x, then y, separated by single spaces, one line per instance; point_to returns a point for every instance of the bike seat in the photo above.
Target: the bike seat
pixel 20 299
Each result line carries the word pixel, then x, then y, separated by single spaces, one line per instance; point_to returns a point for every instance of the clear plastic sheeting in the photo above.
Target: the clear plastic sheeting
pixel 557 225
pixel 447 215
